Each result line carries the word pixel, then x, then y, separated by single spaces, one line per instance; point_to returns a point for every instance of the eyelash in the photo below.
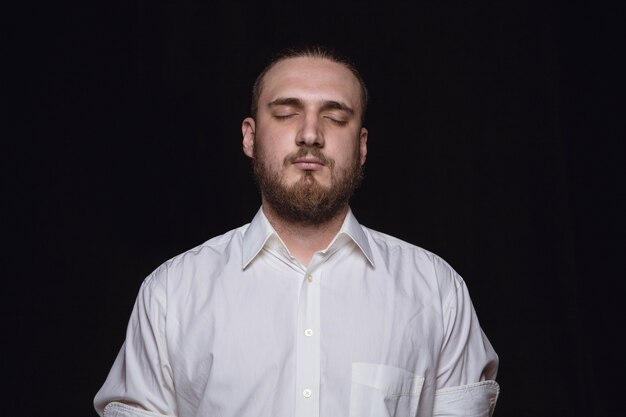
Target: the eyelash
pixel 335 121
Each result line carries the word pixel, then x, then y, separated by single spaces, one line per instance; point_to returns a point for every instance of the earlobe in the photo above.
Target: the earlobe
pixel 247 130
pixel 363 145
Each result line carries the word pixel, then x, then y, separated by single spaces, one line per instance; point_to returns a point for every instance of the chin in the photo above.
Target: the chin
pixel 311 178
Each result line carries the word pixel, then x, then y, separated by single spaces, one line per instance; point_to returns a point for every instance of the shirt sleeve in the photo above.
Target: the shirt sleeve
pixel 141 375
pixel 468 364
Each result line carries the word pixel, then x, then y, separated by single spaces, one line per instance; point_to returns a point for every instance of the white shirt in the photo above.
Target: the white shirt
pixel 237 327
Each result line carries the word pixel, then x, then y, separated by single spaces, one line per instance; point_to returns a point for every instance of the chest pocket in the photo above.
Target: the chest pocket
pixel 383 391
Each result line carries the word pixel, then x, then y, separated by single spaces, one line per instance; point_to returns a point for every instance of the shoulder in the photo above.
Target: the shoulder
pixel 211 255
pixel 396 253
pixel 390 245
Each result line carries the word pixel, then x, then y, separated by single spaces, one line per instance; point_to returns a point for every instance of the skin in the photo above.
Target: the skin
pixel 312 102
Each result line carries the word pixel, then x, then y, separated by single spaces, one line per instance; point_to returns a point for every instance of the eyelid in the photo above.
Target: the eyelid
pixel 337 117
pixel 336 120
pixel 284 108
pixel 337 114
pixel 283 116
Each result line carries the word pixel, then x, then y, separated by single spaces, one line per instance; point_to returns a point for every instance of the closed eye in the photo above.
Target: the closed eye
pixel 283 116
pixel 338 122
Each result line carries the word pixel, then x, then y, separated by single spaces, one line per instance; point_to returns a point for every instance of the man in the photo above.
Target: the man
pixel 304 312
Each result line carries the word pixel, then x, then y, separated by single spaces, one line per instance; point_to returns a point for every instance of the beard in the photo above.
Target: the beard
pixel 307 202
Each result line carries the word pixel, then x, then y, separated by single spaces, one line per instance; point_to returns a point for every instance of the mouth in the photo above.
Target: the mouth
pixel 309 164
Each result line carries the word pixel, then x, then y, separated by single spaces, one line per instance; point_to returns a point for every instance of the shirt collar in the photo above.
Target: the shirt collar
pixel 260 230
pixel 354 230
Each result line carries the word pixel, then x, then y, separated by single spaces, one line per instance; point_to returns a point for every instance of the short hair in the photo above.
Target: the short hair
pixel 309 51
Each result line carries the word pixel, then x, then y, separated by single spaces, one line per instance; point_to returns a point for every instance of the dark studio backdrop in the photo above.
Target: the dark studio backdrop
pixel 496 141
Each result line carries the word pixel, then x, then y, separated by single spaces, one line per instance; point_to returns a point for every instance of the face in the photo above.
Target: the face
pixel 307 143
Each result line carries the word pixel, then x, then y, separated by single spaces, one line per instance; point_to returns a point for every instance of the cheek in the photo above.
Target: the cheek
pixel 271 154
pixel 274 140
pixel 348 154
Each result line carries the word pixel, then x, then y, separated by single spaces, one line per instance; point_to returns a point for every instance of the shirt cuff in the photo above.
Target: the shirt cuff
pixel 475 400
pixel 116 409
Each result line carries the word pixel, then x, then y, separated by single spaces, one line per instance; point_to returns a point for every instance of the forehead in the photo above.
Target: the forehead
pixel 313 79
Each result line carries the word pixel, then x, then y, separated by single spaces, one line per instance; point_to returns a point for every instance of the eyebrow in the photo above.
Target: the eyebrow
pixel 296 102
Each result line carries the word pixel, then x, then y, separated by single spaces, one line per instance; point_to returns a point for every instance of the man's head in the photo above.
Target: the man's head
pixel 306 140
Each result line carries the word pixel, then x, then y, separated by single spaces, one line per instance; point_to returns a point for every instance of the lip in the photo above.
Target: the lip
pixel 309 164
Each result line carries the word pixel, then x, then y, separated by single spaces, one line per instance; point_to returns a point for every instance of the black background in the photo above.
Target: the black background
pixel 496 141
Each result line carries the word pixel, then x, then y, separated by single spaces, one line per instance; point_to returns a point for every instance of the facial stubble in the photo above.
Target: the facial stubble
pixel 306 202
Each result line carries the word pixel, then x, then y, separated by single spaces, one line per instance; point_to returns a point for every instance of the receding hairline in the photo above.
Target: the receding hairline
pixel 276 74
pixel 315 52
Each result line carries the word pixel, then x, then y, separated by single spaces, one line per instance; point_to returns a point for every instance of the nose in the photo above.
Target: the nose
pixel 310 133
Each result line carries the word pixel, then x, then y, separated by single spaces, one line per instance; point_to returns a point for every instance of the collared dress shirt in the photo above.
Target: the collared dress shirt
pixel 237 327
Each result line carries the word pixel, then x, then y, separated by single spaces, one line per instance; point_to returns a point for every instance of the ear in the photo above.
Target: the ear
pixel 363 145
pixel 248 127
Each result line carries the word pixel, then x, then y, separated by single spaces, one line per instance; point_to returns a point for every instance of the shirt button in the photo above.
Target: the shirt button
pixel 308 332
pixel 307 393
pixel 309 278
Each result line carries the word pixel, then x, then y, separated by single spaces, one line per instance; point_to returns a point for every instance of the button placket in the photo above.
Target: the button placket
pixel 308 347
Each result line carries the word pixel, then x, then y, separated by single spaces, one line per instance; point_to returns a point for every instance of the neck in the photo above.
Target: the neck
pixel 303 240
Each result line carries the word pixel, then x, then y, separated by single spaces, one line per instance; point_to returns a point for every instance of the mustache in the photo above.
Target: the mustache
pixel 306 151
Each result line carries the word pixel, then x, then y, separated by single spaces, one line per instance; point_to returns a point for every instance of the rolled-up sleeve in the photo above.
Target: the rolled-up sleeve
pixel 141 377
pixel 468 364
pixel 471 400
